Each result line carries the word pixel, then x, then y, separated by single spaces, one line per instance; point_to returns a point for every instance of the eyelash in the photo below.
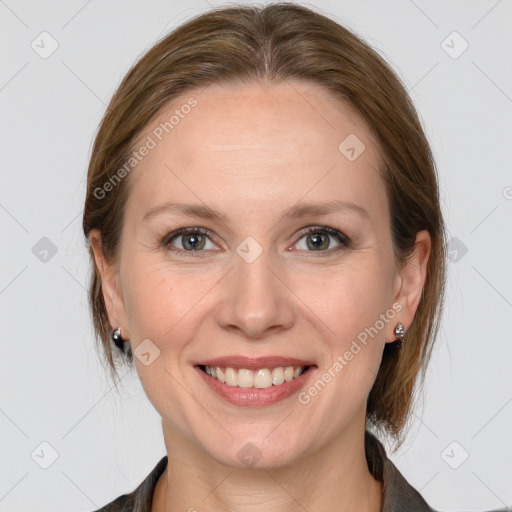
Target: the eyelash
pixel 340 237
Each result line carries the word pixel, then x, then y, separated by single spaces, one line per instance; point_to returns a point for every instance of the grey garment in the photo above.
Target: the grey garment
pixel 398 494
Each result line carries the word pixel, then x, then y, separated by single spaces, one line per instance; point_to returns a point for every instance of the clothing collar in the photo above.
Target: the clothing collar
pixel 398 494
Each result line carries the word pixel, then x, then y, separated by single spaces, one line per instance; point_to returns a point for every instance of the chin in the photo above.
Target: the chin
pixel 246 451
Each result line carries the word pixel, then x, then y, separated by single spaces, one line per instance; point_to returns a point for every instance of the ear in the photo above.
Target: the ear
pixel 110 285
pixel 410 281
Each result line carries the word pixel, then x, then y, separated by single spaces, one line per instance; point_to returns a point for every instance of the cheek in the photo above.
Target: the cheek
pixel 148 302
pixel 154 299
pixel 349 298
pixel 159 306
pixel 164 302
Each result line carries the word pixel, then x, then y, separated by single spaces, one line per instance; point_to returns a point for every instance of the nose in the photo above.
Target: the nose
pixel 255 302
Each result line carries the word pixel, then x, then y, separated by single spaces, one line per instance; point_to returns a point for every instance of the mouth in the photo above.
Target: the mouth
pixel 255 382
pixel 261 378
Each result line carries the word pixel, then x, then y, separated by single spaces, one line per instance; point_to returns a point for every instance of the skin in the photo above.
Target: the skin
pixel 250 152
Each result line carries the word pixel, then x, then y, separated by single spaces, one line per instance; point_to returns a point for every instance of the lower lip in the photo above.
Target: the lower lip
pixel 255 397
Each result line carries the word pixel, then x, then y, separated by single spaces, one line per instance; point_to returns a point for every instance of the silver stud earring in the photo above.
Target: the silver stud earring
pixel 116 338
pixel 400 332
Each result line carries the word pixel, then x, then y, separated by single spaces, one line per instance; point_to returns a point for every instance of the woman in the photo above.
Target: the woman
pixel 268 249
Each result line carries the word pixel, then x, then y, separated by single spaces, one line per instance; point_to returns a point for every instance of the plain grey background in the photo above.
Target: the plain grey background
pixel 57 407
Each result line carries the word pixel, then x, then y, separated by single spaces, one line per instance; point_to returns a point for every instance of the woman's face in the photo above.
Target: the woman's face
pixel 253 290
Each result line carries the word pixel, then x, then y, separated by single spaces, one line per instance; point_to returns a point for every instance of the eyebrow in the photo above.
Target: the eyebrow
pixel 298 210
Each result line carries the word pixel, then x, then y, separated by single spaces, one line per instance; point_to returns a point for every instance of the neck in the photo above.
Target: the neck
pixel 335 478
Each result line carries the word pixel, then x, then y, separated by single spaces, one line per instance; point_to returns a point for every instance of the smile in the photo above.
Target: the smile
pixel 255 382
pixel 262 378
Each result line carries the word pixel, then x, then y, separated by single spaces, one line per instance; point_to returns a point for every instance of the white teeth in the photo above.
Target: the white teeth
pixel 220 374
pixel 231 377
pixel 277 376
pixel 261 379
pixel 245 378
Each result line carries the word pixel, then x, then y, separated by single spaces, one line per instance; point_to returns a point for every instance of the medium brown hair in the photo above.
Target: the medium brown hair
pixel 275 43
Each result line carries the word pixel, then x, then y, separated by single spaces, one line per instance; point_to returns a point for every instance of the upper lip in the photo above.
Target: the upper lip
pixel 254 363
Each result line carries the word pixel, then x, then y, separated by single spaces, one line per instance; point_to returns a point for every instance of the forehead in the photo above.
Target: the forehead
pixel 256 143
